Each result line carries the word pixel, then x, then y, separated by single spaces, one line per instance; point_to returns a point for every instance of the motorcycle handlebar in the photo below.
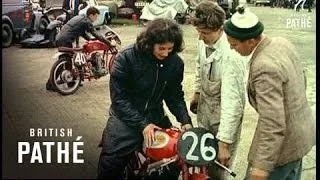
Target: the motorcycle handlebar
pixel 225 168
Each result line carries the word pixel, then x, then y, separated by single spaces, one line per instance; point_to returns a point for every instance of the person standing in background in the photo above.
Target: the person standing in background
pixel 72 9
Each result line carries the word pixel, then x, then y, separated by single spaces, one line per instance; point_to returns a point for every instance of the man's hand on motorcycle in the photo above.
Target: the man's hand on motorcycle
pixel 148 134
pixel 224 153
pixel 194 103
pixel 186 127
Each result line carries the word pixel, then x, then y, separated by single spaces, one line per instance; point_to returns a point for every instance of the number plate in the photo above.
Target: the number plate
pixel 140 4
pixel 79 59
pixel 197 147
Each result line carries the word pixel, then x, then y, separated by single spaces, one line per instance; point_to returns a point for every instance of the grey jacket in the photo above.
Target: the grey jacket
pixel 78 26
pixel 276 89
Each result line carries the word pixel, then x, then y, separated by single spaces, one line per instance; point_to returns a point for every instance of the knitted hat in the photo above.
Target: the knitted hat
pixel 243 25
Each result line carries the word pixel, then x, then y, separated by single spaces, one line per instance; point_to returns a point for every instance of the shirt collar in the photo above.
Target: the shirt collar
pixel 218 45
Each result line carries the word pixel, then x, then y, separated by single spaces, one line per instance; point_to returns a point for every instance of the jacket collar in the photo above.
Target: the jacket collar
pixel 220 44
pixel 219 47
pixel 264 43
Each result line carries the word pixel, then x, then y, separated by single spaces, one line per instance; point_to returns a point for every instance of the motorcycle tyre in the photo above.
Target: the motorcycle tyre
pixel 61 59
pixel 24 34
pixel 43 25
pixel 6 42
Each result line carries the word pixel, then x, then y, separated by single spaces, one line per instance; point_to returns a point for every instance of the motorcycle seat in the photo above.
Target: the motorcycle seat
pixel 68 49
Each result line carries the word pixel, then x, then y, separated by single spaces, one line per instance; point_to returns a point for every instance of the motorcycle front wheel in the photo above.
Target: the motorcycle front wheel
pixel 62 76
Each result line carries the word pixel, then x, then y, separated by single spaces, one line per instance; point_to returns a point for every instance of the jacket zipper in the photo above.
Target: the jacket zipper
pixel 153 89
pixel 165 83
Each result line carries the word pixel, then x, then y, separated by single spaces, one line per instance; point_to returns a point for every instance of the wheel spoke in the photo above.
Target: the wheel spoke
pixel 63 78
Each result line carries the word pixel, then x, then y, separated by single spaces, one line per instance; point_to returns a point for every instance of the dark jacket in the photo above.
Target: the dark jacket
pixel 66 6
pixel 138 85
pixel 78 26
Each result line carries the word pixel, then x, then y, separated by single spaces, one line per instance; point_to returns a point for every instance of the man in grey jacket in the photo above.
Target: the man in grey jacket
pixel 219 97
pixel 80 25
pixel 285 132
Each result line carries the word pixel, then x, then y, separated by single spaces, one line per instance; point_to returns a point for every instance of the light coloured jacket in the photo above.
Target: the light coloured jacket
pixel 222 92
pixel 276 89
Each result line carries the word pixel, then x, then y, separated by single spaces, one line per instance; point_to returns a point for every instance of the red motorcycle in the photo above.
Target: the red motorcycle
pixel 176 155
pixel 73 65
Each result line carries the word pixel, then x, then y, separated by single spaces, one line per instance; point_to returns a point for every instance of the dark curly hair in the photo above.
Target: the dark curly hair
pixel 209 15
pixel 160 31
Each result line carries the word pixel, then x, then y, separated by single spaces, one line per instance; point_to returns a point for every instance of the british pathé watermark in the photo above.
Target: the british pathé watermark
pixel 301 5
pixel 41 151
pixel 299 21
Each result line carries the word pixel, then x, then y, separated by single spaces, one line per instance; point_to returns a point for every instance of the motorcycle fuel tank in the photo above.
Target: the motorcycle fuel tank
pixel 95 45
pixel 164 145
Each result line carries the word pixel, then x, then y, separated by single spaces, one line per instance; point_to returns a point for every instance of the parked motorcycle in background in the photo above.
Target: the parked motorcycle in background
pixel 73 65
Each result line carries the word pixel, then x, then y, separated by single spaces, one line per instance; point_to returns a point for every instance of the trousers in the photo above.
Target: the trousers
pixel 290 171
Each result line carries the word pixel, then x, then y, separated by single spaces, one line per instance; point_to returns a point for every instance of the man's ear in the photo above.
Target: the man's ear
pixel 252 42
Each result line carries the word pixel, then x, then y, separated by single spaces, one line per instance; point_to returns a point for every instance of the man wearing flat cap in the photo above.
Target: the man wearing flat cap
pixel 219 97
pixel 285 132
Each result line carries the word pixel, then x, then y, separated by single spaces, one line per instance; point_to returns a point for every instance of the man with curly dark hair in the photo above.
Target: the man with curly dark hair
pixel 143 75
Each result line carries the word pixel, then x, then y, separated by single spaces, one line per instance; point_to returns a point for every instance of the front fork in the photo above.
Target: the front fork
pixel 201 175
